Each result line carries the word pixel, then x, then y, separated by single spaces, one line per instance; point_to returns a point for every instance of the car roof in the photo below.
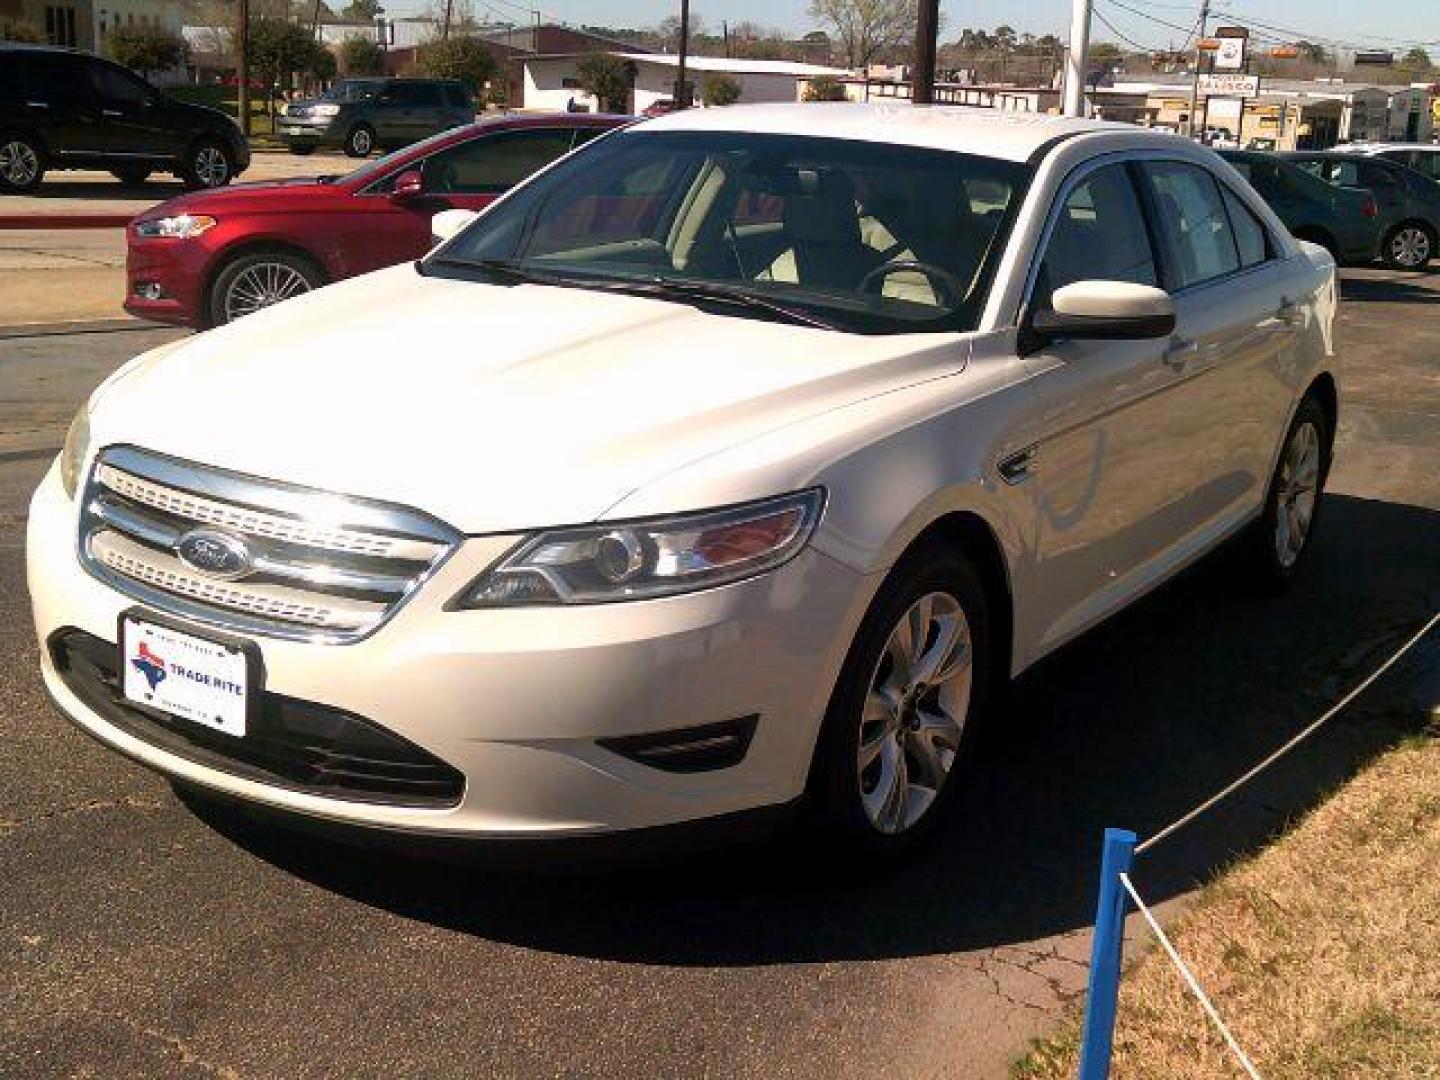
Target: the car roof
pixel 1010 136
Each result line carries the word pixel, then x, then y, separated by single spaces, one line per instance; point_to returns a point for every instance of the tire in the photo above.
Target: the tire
pixel 893 726
pixel 1294 498
pixel 256 280
pixel 1409 246
pixel 360 141
pixel 22 163
pixel 132 176
pixel 301 151
pixel 207 165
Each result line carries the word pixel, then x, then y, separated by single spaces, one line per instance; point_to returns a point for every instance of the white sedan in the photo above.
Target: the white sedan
pixel 726 466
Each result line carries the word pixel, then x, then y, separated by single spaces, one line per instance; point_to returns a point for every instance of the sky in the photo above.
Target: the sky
pixel 1366 25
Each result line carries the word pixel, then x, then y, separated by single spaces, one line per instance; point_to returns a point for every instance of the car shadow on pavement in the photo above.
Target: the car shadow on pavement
pixel 1131 726
pixel 1385 290
pixel 156 189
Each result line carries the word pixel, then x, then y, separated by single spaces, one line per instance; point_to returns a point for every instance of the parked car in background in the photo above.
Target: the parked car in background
pixel 1424 158
pixel 1343 221
pixel 728 466
pixel 62 109
pixel 1408 203
pixel 205 259
pixel 363 115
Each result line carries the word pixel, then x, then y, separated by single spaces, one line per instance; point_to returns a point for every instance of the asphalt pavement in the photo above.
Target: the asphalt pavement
pixel 143 933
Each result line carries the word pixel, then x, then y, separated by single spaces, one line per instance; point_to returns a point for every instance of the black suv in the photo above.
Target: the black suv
pixel 61 109
pixel 361 115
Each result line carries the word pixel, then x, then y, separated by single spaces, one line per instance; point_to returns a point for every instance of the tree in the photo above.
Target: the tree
pixel 12 29
pixel 1312 52
pixel 825 88
pixel 362 56
pixel 607 79
pixel 321 65
pixel 277 49
pixel 145 48
pixel 669 30
pixel 361 10
pixel 1416 61
pixel 719 90
pixel 867 28
pixel 465 58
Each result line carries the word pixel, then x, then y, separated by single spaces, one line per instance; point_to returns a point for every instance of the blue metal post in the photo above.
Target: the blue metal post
pixel 1105 953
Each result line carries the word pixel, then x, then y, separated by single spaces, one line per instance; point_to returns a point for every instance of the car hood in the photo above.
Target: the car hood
pixel 495 408
pixel 237 198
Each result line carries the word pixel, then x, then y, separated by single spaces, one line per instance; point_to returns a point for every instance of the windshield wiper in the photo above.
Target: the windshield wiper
pixel 700 290
pixel 503 268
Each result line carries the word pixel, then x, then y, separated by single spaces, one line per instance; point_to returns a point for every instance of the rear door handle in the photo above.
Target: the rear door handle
pixel 111 112
pixel 38 104
pixel 1180 353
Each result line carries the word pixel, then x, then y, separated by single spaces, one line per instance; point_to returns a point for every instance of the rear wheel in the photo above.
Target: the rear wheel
pixel 1409 246
pixel 22 163
pixel 360 141
pixel 130 176
pixel 257 280
pixel 908 699
pixel 1281 539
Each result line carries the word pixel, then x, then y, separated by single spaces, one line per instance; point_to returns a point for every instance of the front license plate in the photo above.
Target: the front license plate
pixel 187 676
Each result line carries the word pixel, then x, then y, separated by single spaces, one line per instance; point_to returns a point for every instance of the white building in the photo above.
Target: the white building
pixel 552 83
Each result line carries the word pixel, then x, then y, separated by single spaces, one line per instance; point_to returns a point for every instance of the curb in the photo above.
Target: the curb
pixel 79 326
pixel 65 221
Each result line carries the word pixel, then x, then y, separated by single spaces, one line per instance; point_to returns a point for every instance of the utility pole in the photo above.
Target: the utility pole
pixel 242 68
pixel 445 26
pixel 1195 78
pixel 682 96
pixel 1077 58
pixel 927 29
pixel 725 33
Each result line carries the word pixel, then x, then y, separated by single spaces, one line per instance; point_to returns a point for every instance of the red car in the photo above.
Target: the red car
pixel 212 256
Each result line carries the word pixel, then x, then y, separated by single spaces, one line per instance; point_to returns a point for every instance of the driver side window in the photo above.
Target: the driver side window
pixel 1099 234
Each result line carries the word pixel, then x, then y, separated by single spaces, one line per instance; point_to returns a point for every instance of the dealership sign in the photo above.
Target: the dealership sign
pixel 1240 86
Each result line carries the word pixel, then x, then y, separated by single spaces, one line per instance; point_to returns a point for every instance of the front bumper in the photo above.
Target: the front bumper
pixel 310 131
pixel 517 700
pixel 165 279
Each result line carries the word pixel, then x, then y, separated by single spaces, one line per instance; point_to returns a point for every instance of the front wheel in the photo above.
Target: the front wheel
pixel 207 165
pixel 360 141
pixel 1408 246
pixel 908 699
pixel 22 163
pixel 258 280
pixel 1281 539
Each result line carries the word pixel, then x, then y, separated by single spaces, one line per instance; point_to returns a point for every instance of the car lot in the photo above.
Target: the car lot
pixel 145 934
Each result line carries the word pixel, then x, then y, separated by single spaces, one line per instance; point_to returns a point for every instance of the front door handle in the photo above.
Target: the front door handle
pixel 1180 353
pixel 1288 312
pixel 111 112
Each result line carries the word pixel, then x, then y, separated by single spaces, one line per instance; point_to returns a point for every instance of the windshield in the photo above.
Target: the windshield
pixel 865 237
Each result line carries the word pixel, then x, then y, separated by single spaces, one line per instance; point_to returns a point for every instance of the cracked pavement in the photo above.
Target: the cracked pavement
pixel 146 933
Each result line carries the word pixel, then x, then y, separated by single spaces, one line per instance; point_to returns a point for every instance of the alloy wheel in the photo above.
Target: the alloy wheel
pixel 1296 494
pixel 211 168
pixel 19 163
pixel 914 713
pixel 261 285
pixel 361 142
pixel 1410 246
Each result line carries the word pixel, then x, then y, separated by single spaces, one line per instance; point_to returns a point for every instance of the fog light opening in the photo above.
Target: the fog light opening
pixel 150 290
pixel 689 750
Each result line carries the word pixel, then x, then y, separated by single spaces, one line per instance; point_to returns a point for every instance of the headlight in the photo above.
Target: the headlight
pixel 326 110
pixel 641 559
pixel 72 457
pixel 182 226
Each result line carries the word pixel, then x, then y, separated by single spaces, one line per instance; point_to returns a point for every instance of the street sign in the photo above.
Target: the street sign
pixel 1230 54
pixel 1241 86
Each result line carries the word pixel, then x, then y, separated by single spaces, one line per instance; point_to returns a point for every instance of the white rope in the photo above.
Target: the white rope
pixel 1180 823
pixel 1190 979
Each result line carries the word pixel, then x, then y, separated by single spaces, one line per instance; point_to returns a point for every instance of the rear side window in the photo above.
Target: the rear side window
pixel 10 81
pixel 494 163
pixel 57 79
pixel 1192 222
pixel 1251 241
pixel 1099 234
pixel 413 94
pixel 456 97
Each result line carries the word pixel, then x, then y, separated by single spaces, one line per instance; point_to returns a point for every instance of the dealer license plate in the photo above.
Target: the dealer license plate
pixel 191 677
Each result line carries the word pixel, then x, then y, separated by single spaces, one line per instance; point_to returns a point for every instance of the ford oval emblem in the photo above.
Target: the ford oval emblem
pixel 215 554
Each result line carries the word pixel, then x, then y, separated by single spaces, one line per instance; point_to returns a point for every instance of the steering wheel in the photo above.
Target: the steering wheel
pixel 949 289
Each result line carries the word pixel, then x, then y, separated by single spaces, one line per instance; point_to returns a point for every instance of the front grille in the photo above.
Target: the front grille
pixel 294 744
pixel 320 566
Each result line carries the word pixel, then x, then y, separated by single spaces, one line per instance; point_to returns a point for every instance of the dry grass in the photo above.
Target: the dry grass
pixel 1322 953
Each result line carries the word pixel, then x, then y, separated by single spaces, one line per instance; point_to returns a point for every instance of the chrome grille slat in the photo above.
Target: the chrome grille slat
pixel 333 579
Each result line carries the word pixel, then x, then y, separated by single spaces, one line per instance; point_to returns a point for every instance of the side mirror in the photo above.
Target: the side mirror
pixel 447 223
pixel 1101 310
pixel 409 185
